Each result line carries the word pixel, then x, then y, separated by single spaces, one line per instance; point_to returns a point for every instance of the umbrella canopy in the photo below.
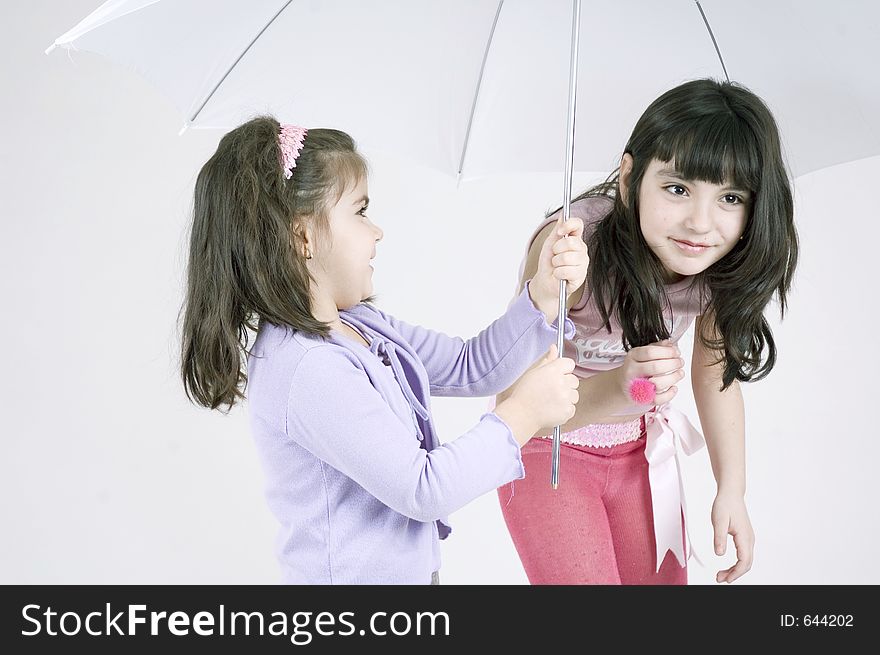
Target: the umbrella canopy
pixel 478 87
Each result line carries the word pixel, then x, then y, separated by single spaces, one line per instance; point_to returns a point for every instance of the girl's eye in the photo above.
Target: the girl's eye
pixel 732 199
pixel 676 189
pixel 362 211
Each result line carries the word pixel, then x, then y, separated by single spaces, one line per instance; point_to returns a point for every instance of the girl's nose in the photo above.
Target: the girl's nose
pixel 700 218
pixel 378 231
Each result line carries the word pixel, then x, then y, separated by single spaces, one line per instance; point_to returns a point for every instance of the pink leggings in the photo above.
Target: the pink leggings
pixel 597 527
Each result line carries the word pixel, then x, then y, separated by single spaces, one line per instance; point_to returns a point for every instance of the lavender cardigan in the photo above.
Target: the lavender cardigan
pixel 355 472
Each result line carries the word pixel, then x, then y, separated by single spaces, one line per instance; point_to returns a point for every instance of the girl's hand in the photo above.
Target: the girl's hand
pixel 729 516
pixel 563 257
pixel 659 362
pixel 544 395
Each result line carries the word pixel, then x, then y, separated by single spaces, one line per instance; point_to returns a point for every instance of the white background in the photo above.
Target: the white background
pixel 108 475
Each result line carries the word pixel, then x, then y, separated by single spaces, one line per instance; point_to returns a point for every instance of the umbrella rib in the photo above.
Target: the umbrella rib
pixel 714 42
pixel 70 35
pixel 235 63
pixel 467 134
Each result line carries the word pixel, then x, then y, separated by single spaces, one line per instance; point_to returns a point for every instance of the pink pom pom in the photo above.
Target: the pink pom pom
pixel 642 391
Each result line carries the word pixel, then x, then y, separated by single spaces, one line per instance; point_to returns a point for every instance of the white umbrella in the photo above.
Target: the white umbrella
pixel 477 87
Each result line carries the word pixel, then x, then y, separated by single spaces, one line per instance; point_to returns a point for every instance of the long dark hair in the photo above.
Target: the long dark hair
pixel 715 132
pixel 245 255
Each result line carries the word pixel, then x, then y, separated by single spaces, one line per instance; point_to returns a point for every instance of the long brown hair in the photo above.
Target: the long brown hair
pixel 245 253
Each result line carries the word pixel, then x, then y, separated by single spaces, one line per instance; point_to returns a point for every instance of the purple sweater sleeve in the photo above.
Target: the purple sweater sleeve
pixel 334 412
pixel 490 362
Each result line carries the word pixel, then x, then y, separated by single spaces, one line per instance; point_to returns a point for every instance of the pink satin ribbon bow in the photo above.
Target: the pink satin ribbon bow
pixel 664 426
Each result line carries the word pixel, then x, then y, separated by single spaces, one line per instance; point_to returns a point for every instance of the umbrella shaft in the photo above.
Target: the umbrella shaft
pixel 566 208
pixel 557 430
pixel 572 105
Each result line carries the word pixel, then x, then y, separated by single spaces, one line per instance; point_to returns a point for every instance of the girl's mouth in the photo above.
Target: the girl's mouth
pixel 691 247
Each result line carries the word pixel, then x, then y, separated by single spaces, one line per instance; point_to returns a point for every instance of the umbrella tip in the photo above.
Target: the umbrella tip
pixel 51 48
pixel 183 129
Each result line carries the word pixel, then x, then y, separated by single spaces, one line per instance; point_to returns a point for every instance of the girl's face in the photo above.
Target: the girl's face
pixel 688 224
pixel 342 265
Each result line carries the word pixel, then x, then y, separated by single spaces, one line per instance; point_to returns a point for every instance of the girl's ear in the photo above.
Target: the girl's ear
pixel 301 240
pixel 626 167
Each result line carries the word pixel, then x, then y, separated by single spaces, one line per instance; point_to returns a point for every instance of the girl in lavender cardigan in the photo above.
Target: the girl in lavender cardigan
pixel 338 391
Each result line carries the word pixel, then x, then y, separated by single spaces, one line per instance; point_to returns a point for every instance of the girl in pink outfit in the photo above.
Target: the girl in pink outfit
pixel 695 224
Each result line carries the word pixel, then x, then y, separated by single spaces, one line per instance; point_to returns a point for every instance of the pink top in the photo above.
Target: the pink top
pixel 593 348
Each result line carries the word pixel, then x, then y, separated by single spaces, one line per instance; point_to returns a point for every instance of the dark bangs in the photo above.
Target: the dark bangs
pixel 719 148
